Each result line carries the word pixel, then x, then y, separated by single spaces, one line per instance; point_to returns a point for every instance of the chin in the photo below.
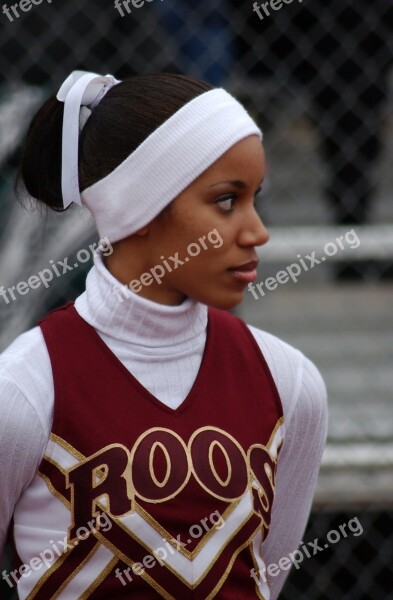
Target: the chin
pixel 226 301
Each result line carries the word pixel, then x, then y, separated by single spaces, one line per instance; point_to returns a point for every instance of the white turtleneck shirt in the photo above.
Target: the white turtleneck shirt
pixel 162 346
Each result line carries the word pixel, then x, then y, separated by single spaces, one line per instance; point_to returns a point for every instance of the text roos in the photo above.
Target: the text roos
pixel 212 456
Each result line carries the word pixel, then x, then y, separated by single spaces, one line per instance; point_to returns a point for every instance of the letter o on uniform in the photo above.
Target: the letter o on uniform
pixel 219 463
pixel 160 466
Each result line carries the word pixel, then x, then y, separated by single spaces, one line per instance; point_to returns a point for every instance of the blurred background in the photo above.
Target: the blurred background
pixel 317 76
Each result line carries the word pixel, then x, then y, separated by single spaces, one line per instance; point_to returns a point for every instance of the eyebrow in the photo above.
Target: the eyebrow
pixel 236 183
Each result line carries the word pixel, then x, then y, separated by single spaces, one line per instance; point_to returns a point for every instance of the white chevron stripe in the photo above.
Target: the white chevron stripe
pixel 276 441
pixel 58 454
pixel 190 570
pixel 261 566
pixel 87 575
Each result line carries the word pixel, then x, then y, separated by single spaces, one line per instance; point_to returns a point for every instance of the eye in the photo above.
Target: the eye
pixel 225 202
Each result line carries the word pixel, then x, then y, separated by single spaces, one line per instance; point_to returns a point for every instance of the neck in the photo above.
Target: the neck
pixel 138 276
pixel 127 316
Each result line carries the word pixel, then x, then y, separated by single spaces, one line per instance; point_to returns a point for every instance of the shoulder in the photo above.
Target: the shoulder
pixel 25 370
pixel 298 380
pixel 25 353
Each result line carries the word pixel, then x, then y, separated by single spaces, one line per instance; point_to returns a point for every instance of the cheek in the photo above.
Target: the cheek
pixel 203 256
pixel 193 223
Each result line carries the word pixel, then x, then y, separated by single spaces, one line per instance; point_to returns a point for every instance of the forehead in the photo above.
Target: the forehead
pixel 245 159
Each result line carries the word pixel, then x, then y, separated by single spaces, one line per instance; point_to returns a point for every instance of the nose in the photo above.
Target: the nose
pixel 254 232
pixel 264 234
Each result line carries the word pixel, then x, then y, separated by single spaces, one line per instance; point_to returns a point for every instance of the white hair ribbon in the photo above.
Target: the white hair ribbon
pixel 81 88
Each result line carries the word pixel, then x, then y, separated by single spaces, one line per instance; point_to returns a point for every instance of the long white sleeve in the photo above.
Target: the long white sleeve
pixel 304 399
pixel 26 405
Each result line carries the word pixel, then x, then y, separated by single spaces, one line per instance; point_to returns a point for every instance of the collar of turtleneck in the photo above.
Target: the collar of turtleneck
pixel 114 310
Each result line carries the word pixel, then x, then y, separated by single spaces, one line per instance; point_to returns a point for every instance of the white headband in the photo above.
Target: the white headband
pixel 168 160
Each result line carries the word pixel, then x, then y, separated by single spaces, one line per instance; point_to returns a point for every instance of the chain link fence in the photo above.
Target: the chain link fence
pixel 317 76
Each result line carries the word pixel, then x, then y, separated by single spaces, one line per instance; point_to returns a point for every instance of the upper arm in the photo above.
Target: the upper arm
pixel 297 472
pixel 26 409
pixel 22 444
pixel 304 400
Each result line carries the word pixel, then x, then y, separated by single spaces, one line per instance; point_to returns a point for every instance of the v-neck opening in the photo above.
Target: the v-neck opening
pixel 132 380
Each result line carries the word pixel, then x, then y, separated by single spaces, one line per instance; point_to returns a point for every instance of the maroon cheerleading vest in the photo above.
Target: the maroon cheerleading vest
pixel 163 503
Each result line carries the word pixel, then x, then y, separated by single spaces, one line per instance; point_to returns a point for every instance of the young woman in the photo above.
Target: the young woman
pixel 152 444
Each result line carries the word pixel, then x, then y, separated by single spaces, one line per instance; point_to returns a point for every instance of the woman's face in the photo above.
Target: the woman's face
pixel 216 214
pixel 196 246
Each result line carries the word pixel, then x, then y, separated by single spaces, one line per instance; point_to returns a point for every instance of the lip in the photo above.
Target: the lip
pixel 246 273
pixel 245 267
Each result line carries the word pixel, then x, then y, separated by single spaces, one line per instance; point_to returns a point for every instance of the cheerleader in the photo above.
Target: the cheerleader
pixel 152 444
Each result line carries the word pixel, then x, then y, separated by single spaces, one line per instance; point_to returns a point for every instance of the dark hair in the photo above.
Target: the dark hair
pixel 125 117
